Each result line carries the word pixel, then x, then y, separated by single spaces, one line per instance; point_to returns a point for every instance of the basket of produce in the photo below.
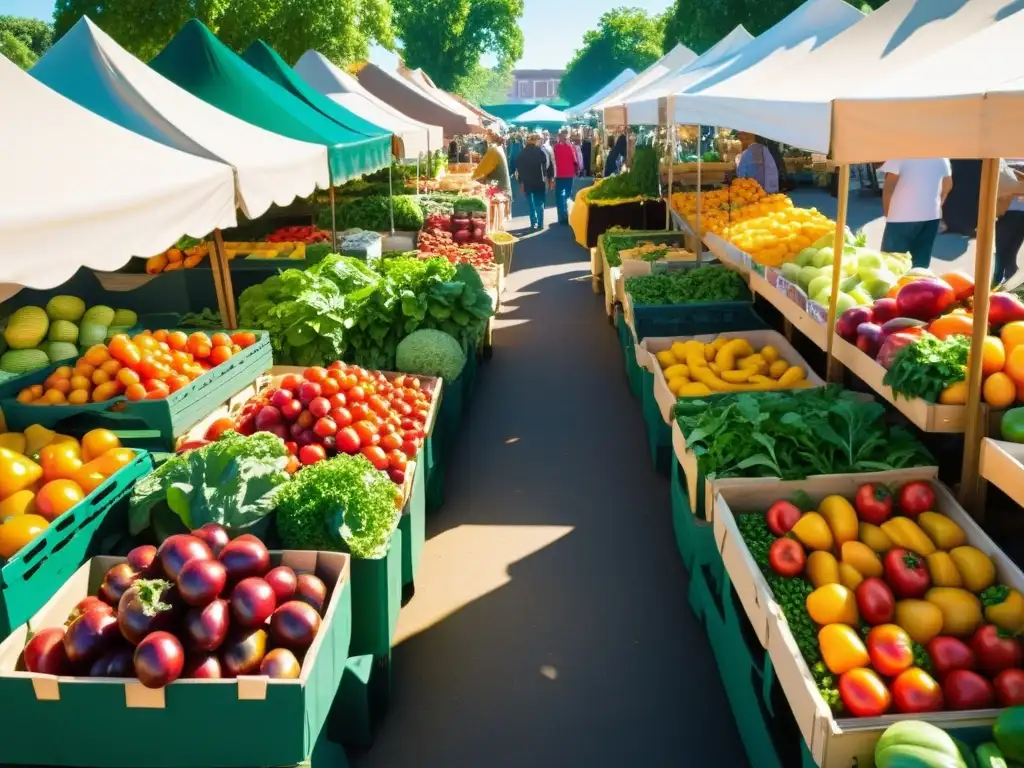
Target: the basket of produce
pixel 689 302
pixel 705 366
pixel 877 603
pixel 224 636
pixel 785 435
pixel 503 244
pixel 57 497
pixel 164 381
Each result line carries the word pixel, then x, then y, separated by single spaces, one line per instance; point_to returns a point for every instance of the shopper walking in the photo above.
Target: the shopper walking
pixel 617 156
pixel 912 198
pixel 587 148
pixel 531 169
pixel 575 141
pixel 565 172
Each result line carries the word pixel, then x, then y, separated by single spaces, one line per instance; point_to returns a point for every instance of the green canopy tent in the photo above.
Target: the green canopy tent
pixel 205 67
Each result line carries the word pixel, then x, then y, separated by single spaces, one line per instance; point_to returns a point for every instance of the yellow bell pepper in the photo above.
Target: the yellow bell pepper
pixel 841 648
pixel 813 532
pixel 37 438
pixel 905 533
pixel 940 529
pixel 862 558
pixel 841 518
pixel 1004 607
pixel 875 537
pixel 976 568
pixel 943 570
pixel 849 576
pixel 921 620
pixel 13 441
pixel 833 604
pixel 822 569
pixel 961 611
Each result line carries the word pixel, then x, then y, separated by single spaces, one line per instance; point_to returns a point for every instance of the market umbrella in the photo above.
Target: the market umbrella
pixel 410 100
pixel 205 67
pixel 673 61
pixel 338 85
pixel 89 67
pixel 420 79
pixel 541 114
pixel 619 80
pixel 79 190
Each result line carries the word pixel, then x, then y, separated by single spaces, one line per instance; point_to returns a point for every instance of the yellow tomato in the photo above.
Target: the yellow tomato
pixel 17 472
pixel 57 497
pixel 97 442
pixel 18 531
pixel 60 460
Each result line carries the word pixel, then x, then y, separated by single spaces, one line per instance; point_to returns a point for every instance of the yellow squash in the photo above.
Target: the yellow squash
pixel 842 649
pixel 822 569
pixel 941 530
pixel 862 558
pixel 841 518
pixel 813 532
pixel 921 620
pixel 961 611
pixel 849 576
pixel 976 568
pixel 905 533
pixel 943 570
pixel 875 537
pixel 833 604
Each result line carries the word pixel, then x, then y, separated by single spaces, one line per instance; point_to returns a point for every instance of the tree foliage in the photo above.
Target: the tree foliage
pixel 446 38
pixel 485 85
pixel 342 30
pixel 699 24
pixel 34 34
pixel 625 37
pixel 14 48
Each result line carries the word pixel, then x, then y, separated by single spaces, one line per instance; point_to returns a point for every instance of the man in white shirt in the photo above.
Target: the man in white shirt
pixel 912 199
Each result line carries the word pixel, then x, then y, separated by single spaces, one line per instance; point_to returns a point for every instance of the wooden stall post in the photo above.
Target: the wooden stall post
pixel 834 369
pixel 671 160
pixel 971 486
pixel 334 225
pixel 222 282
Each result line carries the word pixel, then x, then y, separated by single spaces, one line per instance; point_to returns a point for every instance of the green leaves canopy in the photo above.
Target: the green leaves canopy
pixel 23 41
pixel 625 37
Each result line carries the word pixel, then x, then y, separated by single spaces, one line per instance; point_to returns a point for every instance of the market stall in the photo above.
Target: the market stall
pixel 616 82
pixel 416 138
pixel 678 58
pixel 421 80
pixel 410 100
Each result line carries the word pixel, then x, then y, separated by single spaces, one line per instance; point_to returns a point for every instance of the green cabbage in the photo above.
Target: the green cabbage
pixel 429 352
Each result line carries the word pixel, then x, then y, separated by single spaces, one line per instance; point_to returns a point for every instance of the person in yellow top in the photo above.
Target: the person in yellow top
pixel 493 166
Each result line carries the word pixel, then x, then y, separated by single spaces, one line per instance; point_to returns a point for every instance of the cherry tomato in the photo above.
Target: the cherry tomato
pixel 356 394
pixel 342 417
pixel 367 432
pixel 915 498
pixel 311 454
pixel 397 460
pixel 786 557
pixel 315 373
pixel 347 440
pixel 219 427
pixel 291 382
pixel 390 441
pixel 376 456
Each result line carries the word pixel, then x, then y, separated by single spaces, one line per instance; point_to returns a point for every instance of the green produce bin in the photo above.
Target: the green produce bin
pixel 659 436
pixel 633 370
pixel 695 538
pixel 165 419
pixel 413 525
pixel 34 575
pixel 230 723
pixel 376 600
pixel 351 721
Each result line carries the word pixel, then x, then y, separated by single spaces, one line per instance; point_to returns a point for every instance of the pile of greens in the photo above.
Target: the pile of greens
pixel 688 286
pixel 208 320
pixel 619 239
pixel 793 435
pixel 437 203
pixel 344 309
pixel 234 482
pixel 469 204
pixel 373 213
pixel 927 366
pixel 341 504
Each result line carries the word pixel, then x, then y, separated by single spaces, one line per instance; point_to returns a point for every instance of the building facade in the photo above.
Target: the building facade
pixel 535 84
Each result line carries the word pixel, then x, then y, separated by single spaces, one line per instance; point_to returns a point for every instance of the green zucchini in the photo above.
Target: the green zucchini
pixel 989 756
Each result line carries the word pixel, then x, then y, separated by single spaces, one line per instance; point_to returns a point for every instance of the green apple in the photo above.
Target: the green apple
pixel 824 257
pixel 805 257
pixel 819 284
pixel 807 274
pixel 849 283
pixel 844 302
pixel 791 272
pixel 880 284
pixel 861 297
pixel 868 265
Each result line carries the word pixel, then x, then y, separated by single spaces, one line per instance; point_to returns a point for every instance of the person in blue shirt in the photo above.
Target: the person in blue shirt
pixel 756 162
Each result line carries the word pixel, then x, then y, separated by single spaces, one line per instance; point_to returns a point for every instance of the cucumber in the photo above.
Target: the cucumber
pixel 989 756
pixel 1008 733
pixel 966 753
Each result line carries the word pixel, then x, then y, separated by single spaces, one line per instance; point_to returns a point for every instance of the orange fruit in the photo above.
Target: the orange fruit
pixel 96 355
pixel 160 335
pixel 89 479
pixel 78 397
pixel 59 460
pixel 25 396
pixel 993 355
pixel 61 385
pixel 961 283
pixel 1014 365
pixel 220 354
pixel 999 390
pixel 176 382
pixel 97 442
pixel 1012 335
pixel 78 381
pixel 64 372
pixel 220 340
pixel 83 368
pixel 127 377
pixel 36 390
pixel 57 497
pixel 54 397
pixel 18 531
pixel 135 392
pixel 177 340
pixel 951 325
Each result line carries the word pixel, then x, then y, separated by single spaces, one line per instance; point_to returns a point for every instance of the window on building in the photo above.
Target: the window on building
pixel 524 89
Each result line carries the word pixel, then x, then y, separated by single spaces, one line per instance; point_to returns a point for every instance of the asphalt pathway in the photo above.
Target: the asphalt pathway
pixel 550 626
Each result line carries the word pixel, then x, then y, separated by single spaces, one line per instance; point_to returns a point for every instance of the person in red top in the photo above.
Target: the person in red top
pixel 565 171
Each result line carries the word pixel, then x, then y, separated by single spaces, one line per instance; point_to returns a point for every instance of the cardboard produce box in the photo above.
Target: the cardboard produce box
pixel 244 721
pixel 757 339
pixel 842 742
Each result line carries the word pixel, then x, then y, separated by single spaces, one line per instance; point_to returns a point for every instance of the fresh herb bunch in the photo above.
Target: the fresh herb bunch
pixel 208 320
pixel 791 595
pixel 926 366
pixel 687 286
pixel 794 434
pixel 373 213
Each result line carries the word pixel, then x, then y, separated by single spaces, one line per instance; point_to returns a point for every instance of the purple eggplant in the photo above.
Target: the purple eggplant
pixel 252 602
pixel 294 625
pixel 205 628
pixel 45 652
pixel 141 560
pixel 159 660
pixel 146 607
pixel 244 557
pixel 117 662
pixel 283 581
pixel 311 589
pixel 243 652
pixel 281 664
pixel 215 535
pixel 202 666
pixel 178 550
pixel 202 581
pixel 90 636
pixel 116 582
pixel 87 604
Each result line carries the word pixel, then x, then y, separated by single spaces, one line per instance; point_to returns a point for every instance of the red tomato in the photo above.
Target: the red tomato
pixel 949 653
pixel 311 454
pixel 367 432
pixel 916 691
pixel 316 373
pixel 359 411
pixel 875 601
pixel 409 448
pixel 916 497
pixel 786 557
pixel 335 366
pixel 891 650
pixel 325 427
pixel 356 394
pixel 906 572
pixel 781 516
pixel 376 456
pixel 347 440
pixel 864 693
pixel 219 427
pixel 397 460
pixel 964 689
pixel 291 381
pixel 1009 685
pixel 390 441
pixel 338 400
pixel 995 652
pixel 329 387
pixel 874 503
pixel 341 417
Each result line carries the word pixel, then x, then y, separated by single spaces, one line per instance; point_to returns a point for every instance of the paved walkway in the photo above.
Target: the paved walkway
pixel 550 627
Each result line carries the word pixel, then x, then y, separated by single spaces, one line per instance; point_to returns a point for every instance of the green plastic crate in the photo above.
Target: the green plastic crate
pixel 201 724
pixel 34 575
pixel 695 539
pixel 633 370
pixel 659 436
pixel 376 600
pixel 168 418
pixel 414 526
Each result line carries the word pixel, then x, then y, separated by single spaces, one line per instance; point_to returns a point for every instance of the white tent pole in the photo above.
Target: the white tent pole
pixel 671 161
pixel 334 223
pixel 834 370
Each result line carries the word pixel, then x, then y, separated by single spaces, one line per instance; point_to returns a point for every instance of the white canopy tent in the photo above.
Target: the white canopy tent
pixel 87 66
pixel 80 191
pixel 333 82
pixel 789 98
pixel 542 113
pixel 617 82
pixel 673 61
pixel 965 101
pixel 641 106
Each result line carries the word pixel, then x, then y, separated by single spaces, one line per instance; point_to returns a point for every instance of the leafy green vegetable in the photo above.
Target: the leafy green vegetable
pixel 794 434
pixel 208 319
pixel 642 180
pixel 927 366
pixel 687 286
pixel 470 204
pixel 618 239
pixel 233 482
pixel 374 214
pixel 342 503
pixel 430 352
